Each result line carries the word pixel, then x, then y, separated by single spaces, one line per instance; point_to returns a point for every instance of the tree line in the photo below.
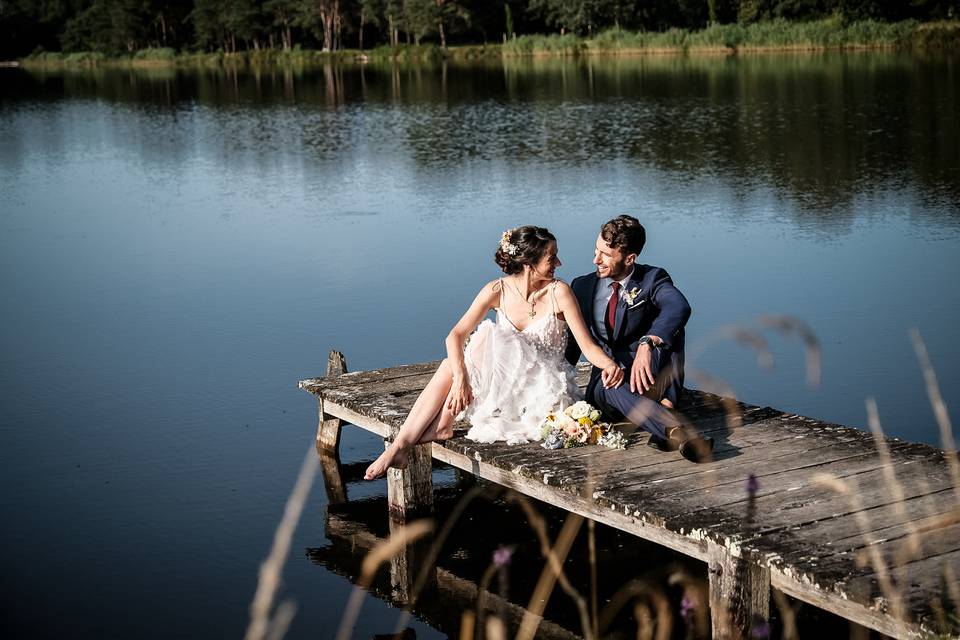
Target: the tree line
pixel 127 26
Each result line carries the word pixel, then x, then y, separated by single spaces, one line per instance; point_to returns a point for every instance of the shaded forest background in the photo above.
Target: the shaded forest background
pixel 128 26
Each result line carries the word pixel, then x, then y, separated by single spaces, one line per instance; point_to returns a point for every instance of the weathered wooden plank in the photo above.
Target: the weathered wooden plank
pixel 826 519
pixel 319 385
pixel 557 497
pixel 571 466
pixel 785 500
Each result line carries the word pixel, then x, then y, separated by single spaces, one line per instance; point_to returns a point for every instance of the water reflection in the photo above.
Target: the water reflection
pixel 464 587
pixel 821 130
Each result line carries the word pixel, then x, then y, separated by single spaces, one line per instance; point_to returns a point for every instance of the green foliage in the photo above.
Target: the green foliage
pixel 107 26
pixel 578 16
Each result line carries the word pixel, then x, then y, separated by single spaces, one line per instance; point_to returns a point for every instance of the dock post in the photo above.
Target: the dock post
pixel 328 430
pixel 410 490
pixel 739 593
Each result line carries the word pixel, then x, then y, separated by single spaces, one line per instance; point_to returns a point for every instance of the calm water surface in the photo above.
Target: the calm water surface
pixel 179 248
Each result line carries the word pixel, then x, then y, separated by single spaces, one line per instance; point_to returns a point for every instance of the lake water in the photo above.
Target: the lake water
pixel 179 248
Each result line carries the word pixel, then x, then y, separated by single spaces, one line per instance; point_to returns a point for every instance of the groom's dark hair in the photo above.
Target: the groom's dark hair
pixel 625 233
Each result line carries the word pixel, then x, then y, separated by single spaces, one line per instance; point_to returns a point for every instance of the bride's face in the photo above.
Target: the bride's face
pixel 547 265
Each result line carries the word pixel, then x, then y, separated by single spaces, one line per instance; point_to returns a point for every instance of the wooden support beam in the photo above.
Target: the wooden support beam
pixel 410 490
pixel 328 430
pixel 739 593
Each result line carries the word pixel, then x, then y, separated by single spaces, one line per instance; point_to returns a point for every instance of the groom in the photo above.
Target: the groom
pixel 637 315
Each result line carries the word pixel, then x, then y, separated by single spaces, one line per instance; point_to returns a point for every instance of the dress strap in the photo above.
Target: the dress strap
pixel 501 308
pixel 553 298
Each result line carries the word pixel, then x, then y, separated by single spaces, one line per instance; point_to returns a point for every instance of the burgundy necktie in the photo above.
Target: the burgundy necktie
pixel 612 308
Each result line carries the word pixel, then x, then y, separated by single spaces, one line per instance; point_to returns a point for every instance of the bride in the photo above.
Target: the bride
pixel 512 372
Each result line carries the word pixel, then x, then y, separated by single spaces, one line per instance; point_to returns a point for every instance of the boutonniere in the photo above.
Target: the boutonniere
pixel 632 295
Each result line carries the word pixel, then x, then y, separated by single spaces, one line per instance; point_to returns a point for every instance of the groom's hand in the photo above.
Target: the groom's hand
pixel 641 373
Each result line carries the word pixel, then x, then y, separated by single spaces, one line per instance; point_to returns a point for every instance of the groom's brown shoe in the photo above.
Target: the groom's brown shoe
pixel 697 449
pixel 693 448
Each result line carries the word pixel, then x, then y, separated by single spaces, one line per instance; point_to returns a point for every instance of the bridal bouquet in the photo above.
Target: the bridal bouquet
pixel 579 425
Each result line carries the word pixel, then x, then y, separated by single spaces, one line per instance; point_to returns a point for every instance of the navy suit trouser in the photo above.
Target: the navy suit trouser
pixel 644 410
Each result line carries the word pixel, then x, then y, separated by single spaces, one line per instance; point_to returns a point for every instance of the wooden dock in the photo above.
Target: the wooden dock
pixel 866 529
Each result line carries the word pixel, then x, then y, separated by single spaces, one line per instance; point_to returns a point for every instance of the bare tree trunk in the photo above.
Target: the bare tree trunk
pixel 361 30
pixel 163 29
pixel 443 35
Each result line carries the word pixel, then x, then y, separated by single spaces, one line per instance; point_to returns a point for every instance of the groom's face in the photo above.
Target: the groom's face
pixel 611 261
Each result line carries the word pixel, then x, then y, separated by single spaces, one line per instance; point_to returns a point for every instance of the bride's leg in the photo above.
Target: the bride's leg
pixel 441 428
pixel 421 416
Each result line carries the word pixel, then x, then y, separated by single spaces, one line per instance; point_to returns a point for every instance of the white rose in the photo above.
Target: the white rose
pixel 579 410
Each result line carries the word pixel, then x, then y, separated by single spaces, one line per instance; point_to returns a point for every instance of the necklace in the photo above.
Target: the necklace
pixel 533 303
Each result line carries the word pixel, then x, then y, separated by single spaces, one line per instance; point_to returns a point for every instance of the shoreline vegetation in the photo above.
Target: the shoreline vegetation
pixel 719 39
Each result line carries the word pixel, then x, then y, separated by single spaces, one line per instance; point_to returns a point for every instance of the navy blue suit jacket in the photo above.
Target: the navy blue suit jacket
pixel 658 309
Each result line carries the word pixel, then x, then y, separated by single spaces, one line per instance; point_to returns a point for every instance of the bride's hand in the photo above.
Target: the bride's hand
pixel 611 376
pixel 460 396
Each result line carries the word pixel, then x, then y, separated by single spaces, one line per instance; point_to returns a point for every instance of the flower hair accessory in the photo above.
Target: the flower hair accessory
pixel 506 246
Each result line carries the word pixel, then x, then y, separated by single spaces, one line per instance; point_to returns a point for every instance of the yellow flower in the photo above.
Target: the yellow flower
pixel 585 421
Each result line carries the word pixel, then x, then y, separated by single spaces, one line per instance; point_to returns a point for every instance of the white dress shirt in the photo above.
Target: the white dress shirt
pixel 601 298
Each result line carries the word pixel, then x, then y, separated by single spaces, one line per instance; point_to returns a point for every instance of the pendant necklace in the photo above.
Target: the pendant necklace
pixel 536 295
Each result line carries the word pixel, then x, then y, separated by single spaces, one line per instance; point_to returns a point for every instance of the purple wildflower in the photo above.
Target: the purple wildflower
pixel 501 557
pixel 760 630
pixel 687 606
pixel 753 485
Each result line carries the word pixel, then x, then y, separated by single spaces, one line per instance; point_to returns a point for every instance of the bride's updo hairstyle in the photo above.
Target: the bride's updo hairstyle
pixel 522 246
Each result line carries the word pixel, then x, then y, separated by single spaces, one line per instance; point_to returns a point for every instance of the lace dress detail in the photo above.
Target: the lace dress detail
pixel 517 377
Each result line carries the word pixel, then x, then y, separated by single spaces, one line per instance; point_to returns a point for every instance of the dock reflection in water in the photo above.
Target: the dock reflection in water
pixel 465 587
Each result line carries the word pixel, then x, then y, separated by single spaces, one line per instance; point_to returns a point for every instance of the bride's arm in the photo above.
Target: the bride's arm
pixel 460 393
pixel 612 373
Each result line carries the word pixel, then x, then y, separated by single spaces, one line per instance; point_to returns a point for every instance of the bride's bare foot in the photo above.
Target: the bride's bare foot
pixel 395 456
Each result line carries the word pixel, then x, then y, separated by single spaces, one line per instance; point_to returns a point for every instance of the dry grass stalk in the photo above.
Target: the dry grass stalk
pixel 431 557
pixel 788 616
pixel 495 629
pixel 872 550
pixel 592 544
pixel 381 553
pixel 272 568
pixel 727 395
pixel 467 622
pixel 696 591
pixel 789 325
pixel 912 548
pixel 645 594
pixel 645 626
pixel 939 410
pixel 551 574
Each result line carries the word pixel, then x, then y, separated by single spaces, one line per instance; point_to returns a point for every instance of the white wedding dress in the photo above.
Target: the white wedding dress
pixel 517 377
